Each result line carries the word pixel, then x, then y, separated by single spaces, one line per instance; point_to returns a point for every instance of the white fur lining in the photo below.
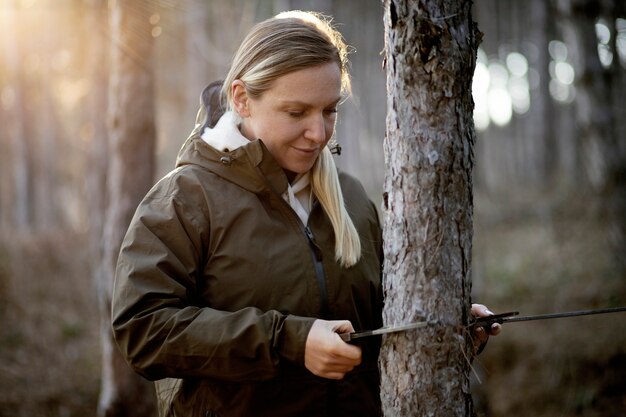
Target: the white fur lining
pixel 225 136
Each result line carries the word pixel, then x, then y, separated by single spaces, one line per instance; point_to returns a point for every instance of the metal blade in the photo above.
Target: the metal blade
pixel 480 321
pixel 346 337
pixel 509 317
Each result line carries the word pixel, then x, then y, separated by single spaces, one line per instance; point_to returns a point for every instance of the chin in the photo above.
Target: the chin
pixel 299 167
pixel 297 171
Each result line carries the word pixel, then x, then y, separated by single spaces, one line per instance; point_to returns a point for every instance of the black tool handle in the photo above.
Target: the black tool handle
pixel 486 322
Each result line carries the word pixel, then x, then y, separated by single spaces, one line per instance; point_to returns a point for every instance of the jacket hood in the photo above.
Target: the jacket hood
pixel 251 166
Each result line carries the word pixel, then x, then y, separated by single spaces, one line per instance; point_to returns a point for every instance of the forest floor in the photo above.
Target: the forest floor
pixel 552 255
pixel 531 259
pixel 49 340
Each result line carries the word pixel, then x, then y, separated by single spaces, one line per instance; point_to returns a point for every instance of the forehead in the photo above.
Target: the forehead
pixel 319 85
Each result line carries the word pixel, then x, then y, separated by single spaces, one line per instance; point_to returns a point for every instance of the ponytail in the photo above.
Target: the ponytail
pixel 326 187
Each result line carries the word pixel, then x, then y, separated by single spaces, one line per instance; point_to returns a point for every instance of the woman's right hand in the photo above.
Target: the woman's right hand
pixel 325 354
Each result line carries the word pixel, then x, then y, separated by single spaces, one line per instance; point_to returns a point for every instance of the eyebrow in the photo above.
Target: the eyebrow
pixel 305 104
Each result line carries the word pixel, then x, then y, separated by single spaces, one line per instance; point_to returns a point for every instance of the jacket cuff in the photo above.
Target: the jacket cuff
pixel 293 338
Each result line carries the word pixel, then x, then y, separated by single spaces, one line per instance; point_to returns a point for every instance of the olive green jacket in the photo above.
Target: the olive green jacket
pixel 218 283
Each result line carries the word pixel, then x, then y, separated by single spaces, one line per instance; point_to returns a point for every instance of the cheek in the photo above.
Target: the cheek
pixel 330 129
pixel 281 134
pixel 287 132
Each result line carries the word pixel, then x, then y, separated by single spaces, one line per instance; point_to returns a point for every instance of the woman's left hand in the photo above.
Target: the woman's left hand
pixel 480 336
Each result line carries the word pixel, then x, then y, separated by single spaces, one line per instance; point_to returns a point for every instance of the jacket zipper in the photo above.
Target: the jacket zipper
pixel 316 253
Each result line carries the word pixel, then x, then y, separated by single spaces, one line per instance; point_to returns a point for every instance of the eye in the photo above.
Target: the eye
pixel 296 114
pixel 330 112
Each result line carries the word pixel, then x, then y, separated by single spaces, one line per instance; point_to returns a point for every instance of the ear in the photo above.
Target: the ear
pixel 240 98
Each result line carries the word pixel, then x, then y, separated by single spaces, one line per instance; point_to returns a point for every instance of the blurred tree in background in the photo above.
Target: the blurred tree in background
pixel 549 182
pixel 131 139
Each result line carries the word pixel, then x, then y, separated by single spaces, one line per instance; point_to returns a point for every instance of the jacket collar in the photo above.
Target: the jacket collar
pixel 251 166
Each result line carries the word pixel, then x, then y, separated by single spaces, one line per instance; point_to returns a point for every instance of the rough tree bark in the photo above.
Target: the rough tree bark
pixel 430 50
pixel 132 139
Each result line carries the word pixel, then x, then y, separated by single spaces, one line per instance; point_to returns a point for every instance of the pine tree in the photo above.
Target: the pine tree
pixel 431 48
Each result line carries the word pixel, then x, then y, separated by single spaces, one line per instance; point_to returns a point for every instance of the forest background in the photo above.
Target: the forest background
pixel 549 183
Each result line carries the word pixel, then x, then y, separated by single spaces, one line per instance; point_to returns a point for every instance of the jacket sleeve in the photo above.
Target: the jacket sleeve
pixel 158 324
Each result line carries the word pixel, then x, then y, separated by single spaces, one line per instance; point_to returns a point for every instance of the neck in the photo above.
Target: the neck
pixel 290 175
pixel 243 128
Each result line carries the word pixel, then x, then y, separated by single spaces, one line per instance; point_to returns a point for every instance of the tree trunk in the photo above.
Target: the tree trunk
pixel 430 58
pixel 95 131
pixel 46 149
pixel 599 111
pixel 198 45
pixel 594 109
pixel 132 139
pixel 16 128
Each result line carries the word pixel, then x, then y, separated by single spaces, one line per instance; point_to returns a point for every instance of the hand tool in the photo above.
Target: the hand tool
pixel 513 316
pixel 485 322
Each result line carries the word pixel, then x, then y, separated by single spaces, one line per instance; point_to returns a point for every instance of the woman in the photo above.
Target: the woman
pixel 242 265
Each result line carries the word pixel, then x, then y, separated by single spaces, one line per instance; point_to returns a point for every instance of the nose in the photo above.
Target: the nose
pixel 316 129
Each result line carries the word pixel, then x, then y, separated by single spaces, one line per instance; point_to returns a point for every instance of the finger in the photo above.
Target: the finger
pixel 334 375
pixel 338 367
pixel 477 309
pixel 495 329
pixel 329 373
pixel 332 364
pixel 342 326
pixel 480 310
pixel 480 335
pixel 347 352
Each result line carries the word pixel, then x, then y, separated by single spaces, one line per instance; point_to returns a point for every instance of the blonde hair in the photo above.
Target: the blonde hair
pixel 289 42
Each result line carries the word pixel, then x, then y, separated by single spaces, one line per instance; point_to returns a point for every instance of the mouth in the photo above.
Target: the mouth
pixel 308 151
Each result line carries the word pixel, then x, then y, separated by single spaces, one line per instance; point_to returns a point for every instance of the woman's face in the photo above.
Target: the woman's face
pixel 295 118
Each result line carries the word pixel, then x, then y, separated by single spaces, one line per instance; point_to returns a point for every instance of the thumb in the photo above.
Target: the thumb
pixel 341 326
